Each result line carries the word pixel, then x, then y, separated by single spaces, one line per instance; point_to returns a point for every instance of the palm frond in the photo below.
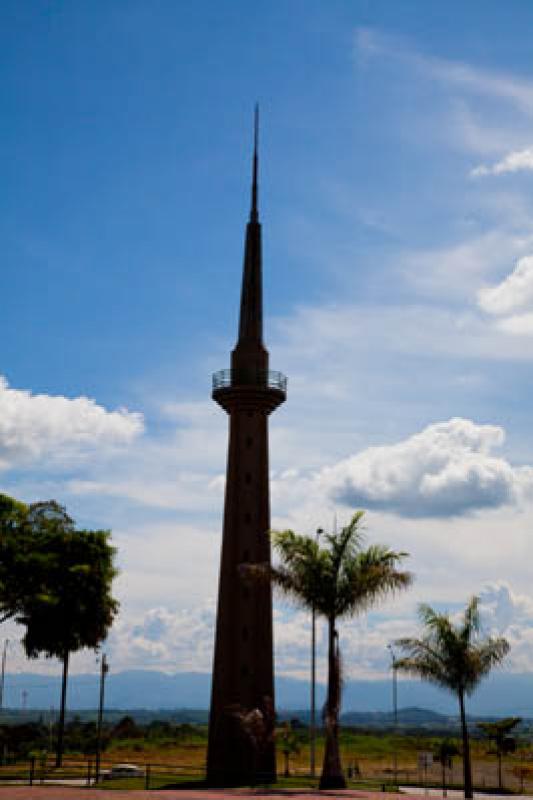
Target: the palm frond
pixel 451 655
pixel 368 576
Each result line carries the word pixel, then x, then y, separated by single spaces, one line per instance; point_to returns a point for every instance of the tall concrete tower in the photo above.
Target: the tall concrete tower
pixel 241 747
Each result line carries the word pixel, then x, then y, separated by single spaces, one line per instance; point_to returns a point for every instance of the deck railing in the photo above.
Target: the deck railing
pixel 270 379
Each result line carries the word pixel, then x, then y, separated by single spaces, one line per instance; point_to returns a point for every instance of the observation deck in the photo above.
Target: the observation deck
pixel 249 387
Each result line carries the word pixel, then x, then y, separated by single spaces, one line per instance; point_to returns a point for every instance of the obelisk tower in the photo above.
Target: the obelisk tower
pixel 241 747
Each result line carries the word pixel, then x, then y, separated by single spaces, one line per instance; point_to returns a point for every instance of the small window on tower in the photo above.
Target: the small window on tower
pixel 249 441
pixel 248 517
pixel 250 414
pixel 248 478
pixel 245 634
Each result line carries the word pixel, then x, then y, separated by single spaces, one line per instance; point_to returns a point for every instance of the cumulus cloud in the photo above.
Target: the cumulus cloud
pixel 447 469
pixel 513 293
pixel 34 426
pixel 517 324
pixel 164 639
pixel 515 161
pixel 504 612
pixel 501 608
pixel 182 639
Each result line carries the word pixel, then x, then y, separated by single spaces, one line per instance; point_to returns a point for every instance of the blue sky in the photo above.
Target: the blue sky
pixel 396 167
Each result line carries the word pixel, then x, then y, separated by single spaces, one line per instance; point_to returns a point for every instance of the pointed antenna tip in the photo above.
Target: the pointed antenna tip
pixel 254 216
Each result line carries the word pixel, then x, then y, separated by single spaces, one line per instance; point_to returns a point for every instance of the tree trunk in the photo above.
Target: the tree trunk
pixel 500 780
pixel 61 725
pixel 332 776
pixel 287 773
pixel 467 769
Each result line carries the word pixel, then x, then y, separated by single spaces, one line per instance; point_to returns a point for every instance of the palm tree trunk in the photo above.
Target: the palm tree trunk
pixel 61 725
pixel 332 775
pixel 467 769
pixel 500 780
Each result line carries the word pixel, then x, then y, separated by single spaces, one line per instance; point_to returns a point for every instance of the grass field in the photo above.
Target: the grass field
pixel 371 760
pixel 370 756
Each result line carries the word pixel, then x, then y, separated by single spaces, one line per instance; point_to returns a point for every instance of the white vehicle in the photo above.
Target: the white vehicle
pixel 124 771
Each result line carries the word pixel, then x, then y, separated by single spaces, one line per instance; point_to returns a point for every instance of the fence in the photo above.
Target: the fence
pixel 82 772
pixel 361 772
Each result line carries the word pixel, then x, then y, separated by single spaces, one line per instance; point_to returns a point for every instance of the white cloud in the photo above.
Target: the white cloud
pixel 372 43
pixel 34 426
pixel 446 470
pixel 455 271
pixel 506 613
pixel 517 324
pixel 513 293
pixel 162 639
pixel 515 161
pixel 502 608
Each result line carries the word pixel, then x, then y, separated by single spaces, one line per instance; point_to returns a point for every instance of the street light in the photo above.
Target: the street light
pixel 104 669
pixel 312 728
pixel 394 709
pixel 3 675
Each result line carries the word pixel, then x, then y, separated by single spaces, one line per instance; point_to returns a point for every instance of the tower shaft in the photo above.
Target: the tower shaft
pixel 243 679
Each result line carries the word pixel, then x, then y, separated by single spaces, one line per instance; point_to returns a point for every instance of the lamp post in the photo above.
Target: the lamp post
pixel 394 710
pixel 312 726
pixel 104 669
pixel 3 675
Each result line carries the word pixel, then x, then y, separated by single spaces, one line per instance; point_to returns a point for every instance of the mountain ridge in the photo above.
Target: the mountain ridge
pixel 501 694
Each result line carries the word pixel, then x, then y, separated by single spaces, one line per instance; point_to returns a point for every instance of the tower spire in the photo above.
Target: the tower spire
pixel 250 353
pixel 254 214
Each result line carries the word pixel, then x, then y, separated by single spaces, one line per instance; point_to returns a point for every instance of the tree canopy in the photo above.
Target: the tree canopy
pixel 17 567
pixel 74 607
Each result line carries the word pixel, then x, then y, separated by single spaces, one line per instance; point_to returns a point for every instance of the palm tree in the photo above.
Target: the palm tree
pixel 339 580
pixel 455 657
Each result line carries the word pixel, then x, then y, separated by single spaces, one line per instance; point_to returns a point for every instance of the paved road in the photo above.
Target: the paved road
pixel 69 793
pixel 454 794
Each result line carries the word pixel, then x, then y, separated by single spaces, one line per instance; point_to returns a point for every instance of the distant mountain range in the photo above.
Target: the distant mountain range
pixel 501 695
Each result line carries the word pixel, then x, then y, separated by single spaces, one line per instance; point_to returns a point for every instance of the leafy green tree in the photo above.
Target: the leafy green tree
pixel 71 606
pixel 127 728
pixel 17 560
pixel 456 657
pixel 498 732
pixel 339 580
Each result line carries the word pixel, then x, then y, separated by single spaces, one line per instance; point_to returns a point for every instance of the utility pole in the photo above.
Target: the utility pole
pixel 104 669
pixel 312 726
pixel 3 677
pixel 394 710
